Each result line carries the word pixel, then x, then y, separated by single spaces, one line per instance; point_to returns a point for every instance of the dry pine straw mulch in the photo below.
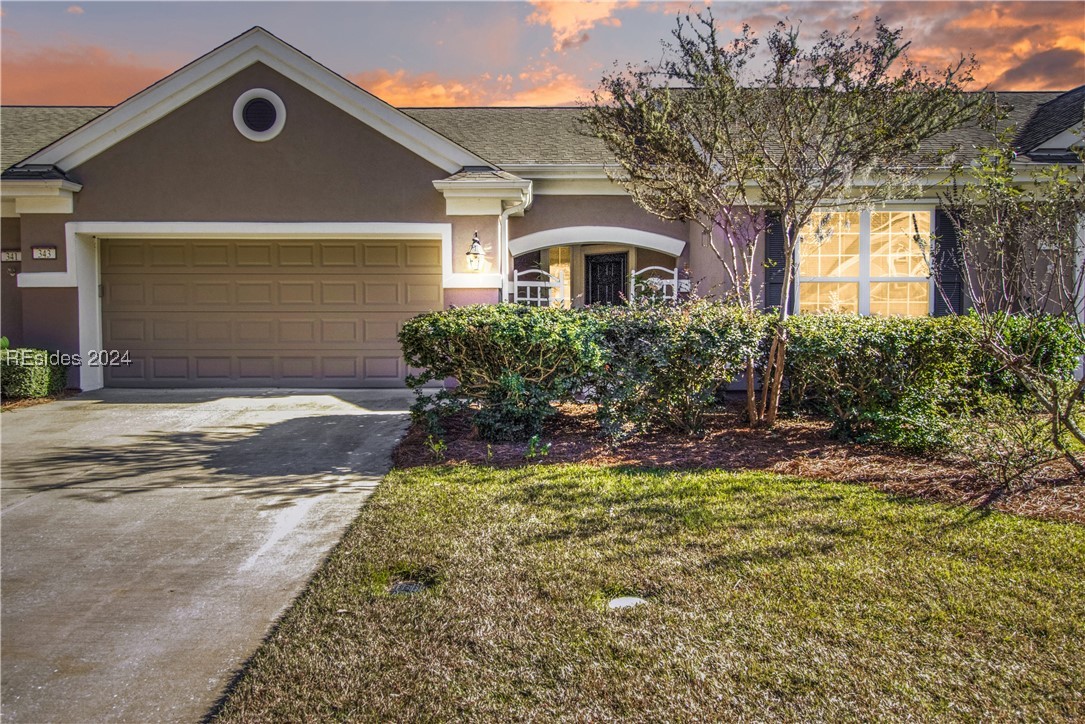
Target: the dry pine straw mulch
pixel 799 447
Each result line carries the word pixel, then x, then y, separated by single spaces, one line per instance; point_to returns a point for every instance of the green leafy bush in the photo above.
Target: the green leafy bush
pixel 880 378
pixel 902 380
pixel 1051 343
pixel 26 373
pixel 665 362
pixel 510 362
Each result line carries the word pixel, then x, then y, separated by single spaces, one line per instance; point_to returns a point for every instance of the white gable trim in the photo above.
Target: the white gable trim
pixel 255 46
pixel 596 235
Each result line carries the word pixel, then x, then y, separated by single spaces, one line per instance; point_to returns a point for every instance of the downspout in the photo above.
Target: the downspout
pixel 526 198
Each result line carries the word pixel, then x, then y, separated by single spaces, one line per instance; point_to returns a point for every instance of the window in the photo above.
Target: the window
pixel 866 262
pixel 560 261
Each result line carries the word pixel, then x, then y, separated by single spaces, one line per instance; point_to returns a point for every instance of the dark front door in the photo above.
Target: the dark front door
pixel 606 278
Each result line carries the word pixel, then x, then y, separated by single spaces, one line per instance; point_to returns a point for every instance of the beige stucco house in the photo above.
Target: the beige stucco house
pixel 255 219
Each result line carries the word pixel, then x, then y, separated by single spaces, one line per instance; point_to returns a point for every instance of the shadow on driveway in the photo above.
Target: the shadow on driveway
pixel 304 456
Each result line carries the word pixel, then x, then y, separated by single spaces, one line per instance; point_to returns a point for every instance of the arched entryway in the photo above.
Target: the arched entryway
pixel 593 263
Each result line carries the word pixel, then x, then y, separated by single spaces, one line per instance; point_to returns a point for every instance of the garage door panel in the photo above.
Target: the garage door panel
pixel 169 333
pixel 211 254
pixel 270 369
pixel 221 292
pixel 297 293
pixel 339 255
pixel 423 257
pixel 169 256
pixel 333 255
pixel 175 331
pixel 214 368
pixel 264 313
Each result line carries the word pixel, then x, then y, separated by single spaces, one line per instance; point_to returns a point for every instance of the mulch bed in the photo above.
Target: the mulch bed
pixel 799 447
pixel 6 405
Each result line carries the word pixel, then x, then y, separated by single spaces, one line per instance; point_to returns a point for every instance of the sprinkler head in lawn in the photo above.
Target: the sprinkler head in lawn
pixel 625 602
pixel 400 588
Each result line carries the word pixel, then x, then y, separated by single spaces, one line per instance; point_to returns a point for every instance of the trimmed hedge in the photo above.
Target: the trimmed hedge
pixel 665 362
pixel 26 373
pixel 900 380
pixel 510 362
pixel 657 365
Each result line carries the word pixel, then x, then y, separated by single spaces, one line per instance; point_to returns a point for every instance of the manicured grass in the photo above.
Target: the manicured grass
pixel 769 597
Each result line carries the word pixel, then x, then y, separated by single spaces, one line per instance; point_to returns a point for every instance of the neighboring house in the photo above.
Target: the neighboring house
pixel 255 219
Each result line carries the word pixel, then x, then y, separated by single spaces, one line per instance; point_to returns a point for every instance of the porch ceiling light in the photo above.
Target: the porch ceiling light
pixel 474 254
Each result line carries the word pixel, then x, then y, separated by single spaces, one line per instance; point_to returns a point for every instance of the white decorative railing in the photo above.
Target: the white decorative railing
pixel 664 287
pixel 538 293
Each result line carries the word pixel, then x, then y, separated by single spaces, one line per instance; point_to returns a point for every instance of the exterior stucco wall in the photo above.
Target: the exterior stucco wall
pixel 11 304
pixel 707 273
pixel 51 322
pixel 555 212
pixel 464 297
pixel 650 257
pixel 463 230
pixel 194 165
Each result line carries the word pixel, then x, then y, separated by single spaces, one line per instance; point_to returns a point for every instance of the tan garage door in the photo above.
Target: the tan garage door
pixel 283 313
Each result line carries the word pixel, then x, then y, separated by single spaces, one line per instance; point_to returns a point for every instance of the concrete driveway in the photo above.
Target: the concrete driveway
pixel 151 538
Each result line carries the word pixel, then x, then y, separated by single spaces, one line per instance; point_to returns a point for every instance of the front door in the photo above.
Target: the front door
pixel 606 278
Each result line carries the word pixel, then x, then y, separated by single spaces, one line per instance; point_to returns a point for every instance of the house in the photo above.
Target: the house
pixel 254 219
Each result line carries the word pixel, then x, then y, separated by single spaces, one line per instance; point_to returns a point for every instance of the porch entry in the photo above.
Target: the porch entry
pixel 605 278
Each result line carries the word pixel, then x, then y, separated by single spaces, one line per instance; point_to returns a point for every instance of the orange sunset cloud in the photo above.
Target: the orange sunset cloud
pixel 400 88
pixel 76 76
pixel 1020 45
pixel 546 86
pixel 571 21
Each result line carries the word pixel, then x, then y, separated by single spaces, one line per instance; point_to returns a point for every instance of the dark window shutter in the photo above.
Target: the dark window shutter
pixel 775 261
pixel 948 292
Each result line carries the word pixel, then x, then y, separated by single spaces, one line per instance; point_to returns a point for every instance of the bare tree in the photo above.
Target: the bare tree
pixel 717 134
pixel 1021 261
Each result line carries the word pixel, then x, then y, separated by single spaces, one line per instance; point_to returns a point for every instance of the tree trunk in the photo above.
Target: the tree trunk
pixel 751 392
pixel 777 384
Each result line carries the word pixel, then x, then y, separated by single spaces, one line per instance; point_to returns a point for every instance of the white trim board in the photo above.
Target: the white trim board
pixel 84 263
pixel 566 235
pixel 253 46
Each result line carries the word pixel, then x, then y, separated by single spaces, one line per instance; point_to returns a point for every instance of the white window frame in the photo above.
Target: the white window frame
pixel 864 278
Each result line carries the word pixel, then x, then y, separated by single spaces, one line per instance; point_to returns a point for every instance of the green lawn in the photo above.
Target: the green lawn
pixel 770 597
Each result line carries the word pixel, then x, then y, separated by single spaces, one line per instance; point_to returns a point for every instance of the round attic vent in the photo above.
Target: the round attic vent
pixel 259 114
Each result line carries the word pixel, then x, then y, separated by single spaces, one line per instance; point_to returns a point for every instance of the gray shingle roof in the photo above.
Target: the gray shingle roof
pixel 514 136
pixel 528 136
pixel 26 129
pixel 1052 118
pixel 1018 106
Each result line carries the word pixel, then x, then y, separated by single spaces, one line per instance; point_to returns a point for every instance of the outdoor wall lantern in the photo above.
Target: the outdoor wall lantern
pixel 474 254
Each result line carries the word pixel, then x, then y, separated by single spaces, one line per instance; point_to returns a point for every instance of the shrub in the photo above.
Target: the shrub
pixel 510 362
pixel 880 378
pixel 28 373
pixel 895 379
pixel 1006 442
pixel 665 362
pixel 1051 344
